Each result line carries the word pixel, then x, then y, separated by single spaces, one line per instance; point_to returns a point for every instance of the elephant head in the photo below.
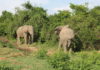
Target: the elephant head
pixel 59 28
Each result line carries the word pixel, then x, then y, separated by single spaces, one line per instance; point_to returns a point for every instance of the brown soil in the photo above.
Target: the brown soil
pixel 4 39
pixel 27 48
pixel 50 52
pixel 3 58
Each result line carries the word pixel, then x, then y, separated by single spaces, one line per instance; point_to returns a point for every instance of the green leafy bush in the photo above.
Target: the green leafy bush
pixel 85 61
pixel 76 61
pixel 59 61
pixel 6 44
pixel 42 53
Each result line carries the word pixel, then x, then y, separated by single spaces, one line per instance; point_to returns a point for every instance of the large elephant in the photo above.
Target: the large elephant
pixel 65 35
pixel 27 32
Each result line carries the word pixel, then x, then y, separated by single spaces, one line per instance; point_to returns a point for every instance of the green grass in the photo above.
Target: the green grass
pixel 14 59
pixel 29 63
pixel 26 62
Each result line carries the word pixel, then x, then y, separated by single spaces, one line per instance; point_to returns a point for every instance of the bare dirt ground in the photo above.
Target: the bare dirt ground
pixel 27 48
pixel 3 58
pixel 4 39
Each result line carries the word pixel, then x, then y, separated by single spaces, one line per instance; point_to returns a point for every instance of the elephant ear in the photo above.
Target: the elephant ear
pixel 58 29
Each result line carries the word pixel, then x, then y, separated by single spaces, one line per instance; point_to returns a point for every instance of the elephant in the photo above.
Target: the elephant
pixel 65 34
pixel 27 32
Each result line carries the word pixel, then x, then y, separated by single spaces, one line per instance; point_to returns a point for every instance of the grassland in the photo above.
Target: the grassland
pixel 15 59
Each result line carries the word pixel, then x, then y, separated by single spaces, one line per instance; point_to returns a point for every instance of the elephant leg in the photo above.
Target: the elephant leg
pixel 60 45
pixel 25 38
pixel 69 42
pixel 65 46
pixel 31 34
pixel 29 39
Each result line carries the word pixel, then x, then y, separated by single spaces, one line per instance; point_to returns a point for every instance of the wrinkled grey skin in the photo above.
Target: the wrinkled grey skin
pixel 65 35
pixel 26 32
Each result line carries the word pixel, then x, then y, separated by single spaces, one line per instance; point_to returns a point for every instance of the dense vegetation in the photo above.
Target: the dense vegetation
pixel 77 61
pixel 84 21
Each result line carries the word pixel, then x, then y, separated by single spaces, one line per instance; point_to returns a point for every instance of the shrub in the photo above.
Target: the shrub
pixel 6 44
pixel 59 61
pixel 85 61
pixel 41 54
pixel 77 61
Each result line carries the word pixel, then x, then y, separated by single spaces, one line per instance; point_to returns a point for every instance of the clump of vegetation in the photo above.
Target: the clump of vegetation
pixel 6 44
pixel 59 61
pixel 41 54
pixel 85 61
pixel 77 61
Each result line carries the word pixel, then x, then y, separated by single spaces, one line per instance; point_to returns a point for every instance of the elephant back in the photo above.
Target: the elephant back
pixel 66 33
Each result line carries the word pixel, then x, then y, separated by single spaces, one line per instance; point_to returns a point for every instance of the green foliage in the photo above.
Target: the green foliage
pixel 6 16
pixel 2 29
pixel 59 61
pixel 83 20
pixel 6 44
pixel 79 9
pixel 42 53
pixel 28 5
pixel 4 66
pixel 85 61
pixel 77 61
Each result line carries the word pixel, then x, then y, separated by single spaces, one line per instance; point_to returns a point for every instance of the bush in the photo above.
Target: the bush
pixel 59 61
pixel 6 44
pixel 85 61
pixel 41 54
pixel 77 61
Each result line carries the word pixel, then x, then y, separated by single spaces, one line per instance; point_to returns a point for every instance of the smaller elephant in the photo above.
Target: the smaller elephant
pixel 65 35
pixel 27 32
